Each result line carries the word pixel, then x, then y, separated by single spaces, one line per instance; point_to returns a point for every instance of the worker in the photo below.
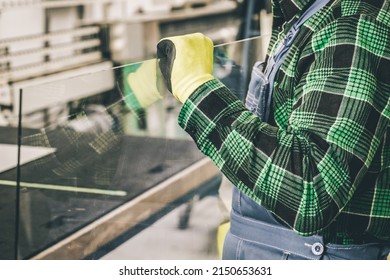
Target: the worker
pixel 309 154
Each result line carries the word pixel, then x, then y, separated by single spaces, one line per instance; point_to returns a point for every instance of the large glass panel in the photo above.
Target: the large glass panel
pixel 8 190
pixel 102 156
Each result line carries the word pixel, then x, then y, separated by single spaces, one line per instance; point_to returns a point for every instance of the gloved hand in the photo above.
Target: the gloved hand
pixel 142 84
pixel 186 62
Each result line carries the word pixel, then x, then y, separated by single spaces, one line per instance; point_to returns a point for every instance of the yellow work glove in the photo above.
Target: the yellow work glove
pixel 186 62
pixel 142 84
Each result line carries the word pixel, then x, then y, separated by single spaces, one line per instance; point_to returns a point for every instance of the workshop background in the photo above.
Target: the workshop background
pixel 85 173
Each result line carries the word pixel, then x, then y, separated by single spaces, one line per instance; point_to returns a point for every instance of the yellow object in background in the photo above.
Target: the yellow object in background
pixel 221 234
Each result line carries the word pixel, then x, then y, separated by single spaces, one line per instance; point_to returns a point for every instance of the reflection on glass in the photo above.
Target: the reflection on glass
pixel 141 85
pixel 98 142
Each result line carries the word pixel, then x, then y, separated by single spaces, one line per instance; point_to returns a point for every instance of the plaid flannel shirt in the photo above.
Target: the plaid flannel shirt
pixel 322 165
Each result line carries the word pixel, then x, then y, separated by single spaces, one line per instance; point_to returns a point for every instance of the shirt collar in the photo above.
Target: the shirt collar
pixel 291 8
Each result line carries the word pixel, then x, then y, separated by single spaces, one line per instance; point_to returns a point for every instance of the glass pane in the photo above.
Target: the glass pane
pixel 102 156
pixel 8 190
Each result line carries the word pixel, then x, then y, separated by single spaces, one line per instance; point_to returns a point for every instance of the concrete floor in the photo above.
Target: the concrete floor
pixel 164 240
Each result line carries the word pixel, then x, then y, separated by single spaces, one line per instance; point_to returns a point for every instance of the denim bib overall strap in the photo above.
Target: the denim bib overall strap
pixel 259 95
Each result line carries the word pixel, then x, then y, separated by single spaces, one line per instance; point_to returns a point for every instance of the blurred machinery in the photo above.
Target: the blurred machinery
pixel 46 40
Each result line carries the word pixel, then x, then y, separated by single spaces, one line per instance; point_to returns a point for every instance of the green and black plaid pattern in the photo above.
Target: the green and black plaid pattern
pixel 324 167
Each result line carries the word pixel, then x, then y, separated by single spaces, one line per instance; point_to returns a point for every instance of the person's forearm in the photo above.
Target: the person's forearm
pixel 277 168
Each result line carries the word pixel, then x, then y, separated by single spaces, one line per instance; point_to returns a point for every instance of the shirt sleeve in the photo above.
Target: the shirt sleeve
pixel 306 170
